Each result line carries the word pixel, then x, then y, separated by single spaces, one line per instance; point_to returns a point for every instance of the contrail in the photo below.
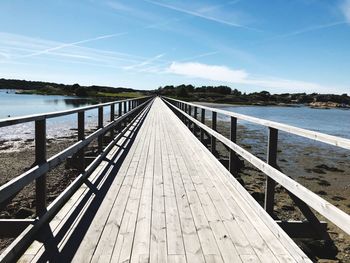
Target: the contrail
pixel 192 13
pixel 45 51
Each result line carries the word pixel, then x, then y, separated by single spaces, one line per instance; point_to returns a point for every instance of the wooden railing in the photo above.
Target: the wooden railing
pixel 302 197
pixel 128 111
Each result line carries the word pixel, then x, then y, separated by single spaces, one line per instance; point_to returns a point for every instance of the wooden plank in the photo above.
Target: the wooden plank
pixel 206 236
pixel 331 212
pixel 190 237
pixel 141 242
pixel 158 247
pixel 294 247
pixel 253 235
pixel 192 170
pixel 124 242
pixel 100 237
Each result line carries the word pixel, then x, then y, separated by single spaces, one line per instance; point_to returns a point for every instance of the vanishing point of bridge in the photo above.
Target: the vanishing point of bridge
pixel 155 193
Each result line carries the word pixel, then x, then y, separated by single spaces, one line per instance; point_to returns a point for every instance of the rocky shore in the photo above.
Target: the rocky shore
pixel 328 105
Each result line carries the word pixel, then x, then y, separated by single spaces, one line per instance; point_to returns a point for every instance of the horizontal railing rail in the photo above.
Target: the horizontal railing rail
pixel 318 136
pixel 326 209
pixel 42 116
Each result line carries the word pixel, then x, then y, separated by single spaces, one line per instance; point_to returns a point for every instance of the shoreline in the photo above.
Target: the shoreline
pixel 321 106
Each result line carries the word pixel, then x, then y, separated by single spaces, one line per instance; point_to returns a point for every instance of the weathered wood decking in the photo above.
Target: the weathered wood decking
pixel 170 200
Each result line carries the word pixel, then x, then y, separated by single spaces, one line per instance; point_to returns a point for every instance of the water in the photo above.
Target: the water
pixel 332 121
pixel 14 105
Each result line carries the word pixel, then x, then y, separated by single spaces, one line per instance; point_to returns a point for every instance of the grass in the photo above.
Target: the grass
pixel 120 94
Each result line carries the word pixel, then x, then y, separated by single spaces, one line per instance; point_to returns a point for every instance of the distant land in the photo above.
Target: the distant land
pixel 48 88
pixel 213 94
pixel 225 94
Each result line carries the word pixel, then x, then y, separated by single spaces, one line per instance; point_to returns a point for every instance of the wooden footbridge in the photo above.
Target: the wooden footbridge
pixel 155 193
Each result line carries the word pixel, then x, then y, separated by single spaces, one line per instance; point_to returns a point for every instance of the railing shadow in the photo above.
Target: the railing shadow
pixel 51 242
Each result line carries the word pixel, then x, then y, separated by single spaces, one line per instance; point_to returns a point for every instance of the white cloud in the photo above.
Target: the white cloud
pixel 228 75
pixel 210 72
pixel 345 8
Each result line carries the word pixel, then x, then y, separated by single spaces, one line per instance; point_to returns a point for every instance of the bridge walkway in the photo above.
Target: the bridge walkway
pixel 170 200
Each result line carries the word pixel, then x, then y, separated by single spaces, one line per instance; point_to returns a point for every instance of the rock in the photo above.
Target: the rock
pixel 24 213
pixel 321 192
pixel 318 171
pixel 5 215
pixel 327 168
pixel 287 208
pixel 338 198
pixel 324 183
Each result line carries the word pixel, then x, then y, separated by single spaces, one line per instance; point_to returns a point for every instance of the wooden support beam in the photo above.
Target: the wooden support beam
pixel 100 125
pixel 315 224
pixel 213 126
pixel 271 160
pixel 81 136
pixel 195 115
pixel 189 113
pixel 112 116
pixel 302 229
pixel 13 227
pixel 119 109
pixel 233 164
pixel 202 121
pixel 40 158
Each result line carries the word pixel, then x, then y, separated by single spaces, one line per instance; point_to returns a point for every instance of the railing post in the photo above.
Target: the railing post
pixel 100 125
pixel 213 126
pixel 81 136
pixel 233 157
pixel 195 114
pixel 40 158
pixel 189 113
pixel 119 109
pixel 112 119
pixel 124 123
pixel 271 160
pixel 185 119
pixel 202 121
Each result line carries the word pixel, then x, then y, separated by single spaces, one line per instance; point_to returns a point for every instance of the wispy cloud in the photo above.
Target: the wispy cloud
pixel 345 9
pixel 48 50
pixel 228 75
pixel 306 30
pixel 202 15
pixel 144 63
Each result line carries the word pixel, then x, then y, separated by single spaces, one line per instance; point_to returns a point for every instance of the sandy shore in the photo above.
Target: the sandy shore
pixel 321 168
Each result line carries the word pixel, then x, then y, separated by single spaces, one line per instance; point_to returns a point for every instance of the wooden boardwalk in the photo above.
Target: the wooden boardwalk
pixel 170 200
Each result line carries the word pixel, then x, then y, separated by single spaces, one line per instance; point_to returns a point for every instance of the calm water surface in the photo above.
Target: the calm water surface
pixel 14 105
pixel 333 121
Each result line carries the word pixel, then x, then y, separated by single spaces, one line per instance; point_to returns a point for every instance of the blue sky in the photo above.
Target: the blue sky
pixel 252 45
